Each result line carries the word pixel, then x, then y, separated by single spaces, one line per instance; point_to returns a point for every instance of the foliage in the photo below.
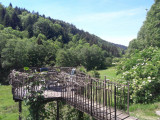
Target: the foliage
pixel 94 73
pixel 30 39
pixel 21 19
pixel 81 69
pixel 108 62
pixel 35 100
pixel 91 57
pixel 142 70
pixel 149 33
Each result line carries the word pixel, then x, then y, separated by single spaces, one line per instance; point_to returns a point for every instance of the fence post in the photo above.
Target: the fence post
pixel 128 100
pixel 115 101
pixel 20 110
pixel 91 94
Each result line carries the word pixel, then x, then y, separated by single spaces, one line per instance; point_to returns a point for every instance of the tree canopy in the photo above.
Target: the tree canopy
pixel 149 34
pixel 30 39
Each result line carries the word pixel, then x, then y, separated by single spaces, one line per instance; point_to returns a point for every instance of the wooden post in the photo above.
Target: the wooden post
pixel 128 100
pixel 109 99
pixel 91 95
pixel 20 110
pixel 96 99
pixel 103 98
pixel 57 110
pixel 106 98
pixel 115 102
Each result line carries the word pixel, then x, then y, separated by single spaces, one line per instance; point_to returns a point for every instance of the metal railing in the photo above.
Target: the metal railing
pixel 102 99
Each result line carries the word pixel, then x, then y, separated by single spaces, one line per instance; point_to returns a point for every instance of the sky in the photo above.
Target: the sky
pixel 116 21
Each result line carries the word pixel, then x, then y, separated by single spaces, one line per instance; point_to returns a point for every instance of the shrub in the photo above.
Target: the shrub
pixel 81 69
pixel 94 73
pixel 142 70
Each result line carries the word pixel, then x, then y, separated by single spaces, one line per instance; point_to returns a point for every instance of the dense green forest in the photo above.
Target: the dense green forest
pixel 30 39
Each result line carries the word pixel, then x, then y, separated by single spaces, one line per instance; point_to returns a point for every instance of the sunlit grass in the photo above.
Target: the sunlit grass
pixel 8 107
pixel 110 74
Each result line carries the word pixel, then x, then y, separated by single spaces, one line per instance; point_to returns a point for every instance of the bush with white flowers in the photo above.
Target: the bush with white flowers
pixel 142 70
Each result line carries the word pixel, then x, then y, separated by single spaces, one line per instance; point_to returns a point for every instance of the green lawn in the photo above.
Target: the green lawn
pixel 110 73
pixel 9 108
pixel 140 111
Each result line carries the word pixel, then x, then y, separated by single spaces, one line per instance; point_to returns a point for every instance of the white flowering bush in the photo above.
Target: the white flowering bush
pixel 142 70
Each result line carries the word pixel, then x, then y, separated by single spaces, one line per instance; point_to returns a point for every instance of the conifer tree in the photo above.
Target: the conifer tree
pixel 10 5
pixel 15 21
pixel 7 21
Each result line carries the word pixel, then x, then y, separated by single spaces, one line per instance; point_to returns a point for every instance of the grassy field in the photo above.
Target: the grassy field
pixel 140 111
pixel 9 108
pixel 110 74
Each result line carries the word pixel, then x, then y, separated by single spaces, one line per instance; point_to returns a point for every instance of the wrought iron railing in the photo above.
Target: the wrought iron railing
pixel 102 99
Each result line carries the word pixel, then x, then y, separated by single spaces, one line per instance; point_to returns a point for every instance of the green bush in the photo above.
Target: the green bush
pixel 94 73
pixel 81 69
pixel 108 62
pixel 142 70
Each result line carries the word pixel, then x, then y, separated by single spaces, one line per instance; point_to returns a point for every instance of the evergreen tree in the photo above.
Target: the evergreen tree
pixel 7 21
pixel 15 21
pixel 10 5
pixel 2 14
pixel 30 30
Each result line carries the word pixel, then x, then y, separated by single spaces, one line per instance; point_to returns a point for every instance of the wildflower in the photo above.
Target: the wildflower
pixel 143 82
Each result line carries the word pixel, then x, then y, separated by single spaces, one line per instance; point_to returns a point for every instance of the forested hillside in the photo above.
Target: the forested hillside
pixel 149 34
pixel 30 39
pixel 23 20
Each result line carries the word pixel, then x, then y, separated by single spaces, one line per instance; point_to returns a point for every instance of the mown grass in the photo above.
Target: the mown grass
pixel 110 74
pixel 140 111
pixel 8 107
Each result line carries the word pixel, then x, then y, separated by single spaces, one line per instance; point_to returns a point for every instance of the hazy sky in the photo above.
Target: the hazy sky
pixel 117 21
